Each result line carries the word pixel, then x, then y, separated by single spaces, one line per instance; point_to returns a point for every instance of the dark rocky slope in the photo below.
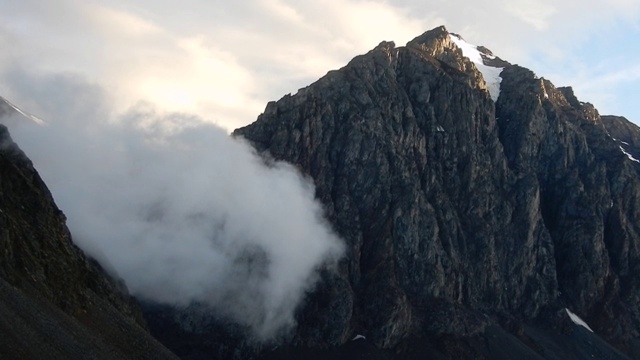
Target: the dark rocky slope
pixel 55 303
pixel 626 133
pixel 464 218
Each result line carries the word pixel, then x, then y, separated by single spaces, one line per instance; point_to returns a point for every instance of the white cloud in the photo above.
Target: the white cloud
pixel 283 11
pixel 223 62
pixel 181 211
pixel 627 74
pixel 532 12
pixel 112 21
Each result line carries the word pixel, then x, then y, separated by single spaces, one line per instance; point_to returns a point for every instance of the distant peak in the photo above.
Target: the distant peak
pixel 428 37
pixel 441 38
pixel 568 93
pixel 441 29
pixel 385 45
pixel 488 64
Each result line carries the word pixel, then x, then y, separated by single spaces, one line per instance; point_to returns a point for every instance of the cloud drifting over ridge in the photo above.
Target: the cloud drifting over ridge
pixel 176 207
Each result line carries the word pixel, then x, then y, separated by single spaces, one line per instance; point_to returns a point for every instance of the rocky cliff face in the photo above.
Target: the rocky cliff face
pixel 462 215
pixel 477 201
pixel 625 133
pixel 54 301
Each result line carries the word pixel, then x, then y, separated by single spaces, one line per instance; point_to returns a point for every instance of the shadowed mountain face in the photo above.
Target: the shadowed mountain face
pixel 55 303
pixel 462 215
pixel 625 133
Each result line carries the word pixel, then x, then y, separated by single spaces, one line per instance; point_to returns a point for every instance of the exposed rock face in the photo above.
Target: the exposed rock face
pixel 626 133
pixel 461 215
pixel 54 301
pixel 589 193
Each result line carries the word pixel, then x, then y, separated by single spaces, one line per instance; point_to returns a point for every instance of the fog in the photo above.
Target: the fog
pixel 175 206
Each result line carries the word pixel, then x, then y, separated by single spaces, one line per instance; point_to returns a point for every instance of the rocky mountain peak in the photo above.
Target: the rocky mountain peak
pixel 433 42
pixel 482 66
pixel 625 133
pixel 570 96
pixel 385 46
pixel 485 213
pixel 464 211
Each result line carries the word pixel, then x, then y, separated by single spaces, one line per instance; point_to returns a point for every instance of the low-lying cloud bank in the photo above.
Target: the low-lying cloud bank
pixel 175 206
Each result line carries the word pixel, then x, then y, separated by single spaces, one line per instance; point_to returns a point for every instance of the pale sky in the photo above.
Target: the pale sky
pixel 224 60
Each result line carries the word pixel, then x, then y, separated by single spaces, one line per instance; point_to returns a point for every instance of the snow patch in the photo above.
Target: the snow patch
pixel 576 320
pixel 33 118
pixel 628 155
pixel 358 337
pixel 618 140
pixel 490 74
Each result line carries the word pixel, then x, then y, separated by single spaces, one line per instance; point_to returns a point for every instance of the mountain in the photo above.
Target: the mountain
pixel 625 133
pixel 486 214
pixel 478 209
pixel 55 302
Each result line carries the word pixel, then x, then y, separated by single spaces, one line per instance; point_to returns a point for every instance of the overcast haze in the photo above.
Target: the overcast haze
pixel 223 60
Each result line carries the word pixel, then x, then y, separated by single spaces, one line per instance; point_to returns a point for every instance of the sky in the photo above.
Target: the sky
pixel 224 60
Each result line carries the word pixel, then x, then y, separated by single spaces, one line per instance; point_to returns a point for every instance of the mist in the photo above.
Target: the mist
pixel 181 211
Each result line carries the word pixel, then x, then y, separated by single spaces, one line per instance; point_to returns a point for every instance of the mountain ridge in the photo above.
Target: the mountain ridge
pixel 420 118
pixel 55 302
pixel 477 225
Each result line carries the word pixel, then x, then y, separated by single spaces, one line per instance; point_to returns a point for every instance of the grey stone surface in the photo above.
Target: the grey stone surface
pixel 55 303
pixel 459 213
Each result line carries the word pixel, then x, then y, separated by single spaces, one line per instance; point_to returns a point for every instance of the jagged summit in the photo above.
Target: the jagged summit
pixel 489 65
pixel 439 38
pixel 449 47
pixel 435 43
pixel 468 214
pixel 625 133
pixel 486 56
pixel 439 33
pixel 446 50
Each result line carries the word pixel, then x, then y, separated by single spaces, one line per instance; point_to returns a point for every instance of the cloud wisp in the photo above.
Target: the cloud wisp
pixel 176 207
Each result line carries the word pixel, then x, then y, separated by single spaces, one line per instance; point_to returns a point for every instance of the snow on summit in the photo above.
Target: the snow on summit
pixel 628 155
pixel 31 117
pixel 491 74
